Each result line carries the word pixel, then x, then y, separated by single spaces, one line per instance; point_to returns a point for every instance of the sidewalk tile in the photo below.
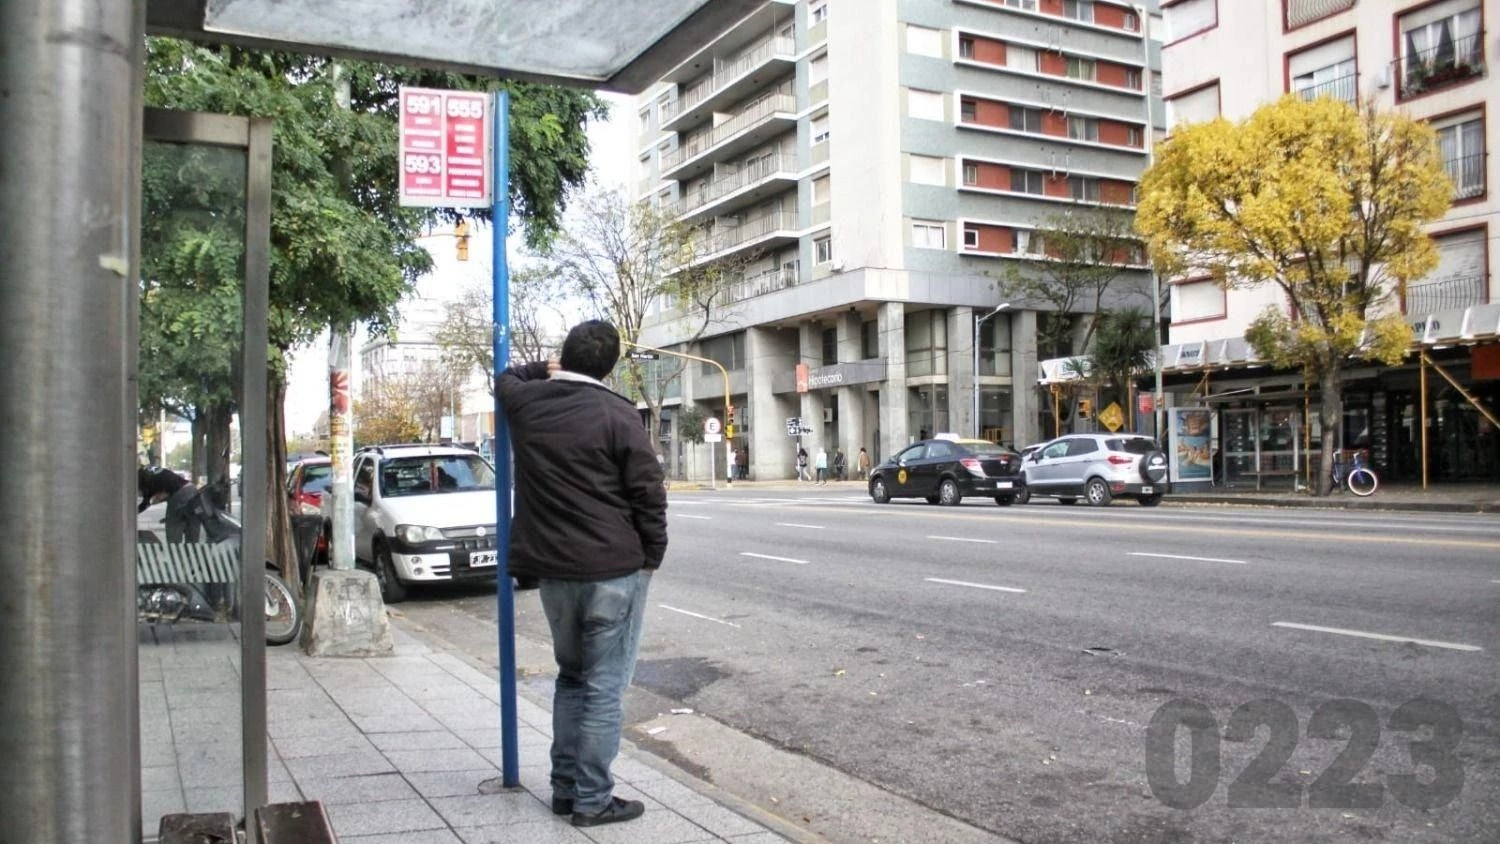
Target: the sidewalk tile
pixel 309 727
pixel 672 793
pixel 365 789
pixel 339 765
pixel 430 836
pixel 424 761
pixel 160 778
pixel 451 783
pixel 154 804
pixel 395 723
pixel 386 816
pixel 634 772
pixel 547 832
pixel 491 809
pixel 302 748
pixel 429 740
pixel 659 826
pixel 765 836
pixel 718 820
pixel 480 739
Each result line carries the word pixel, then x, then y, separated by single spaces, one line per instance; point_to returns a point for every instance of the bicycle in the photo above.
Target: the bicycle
pixel 1356 476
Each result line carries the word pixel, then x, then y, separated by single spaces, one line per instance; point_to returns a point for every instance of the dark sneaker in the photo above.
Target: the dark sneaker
pixel 618 810
pixel 562 805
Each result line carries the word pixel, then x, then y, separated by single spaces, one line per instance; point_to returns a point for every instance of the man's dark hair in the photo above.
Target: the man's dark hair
pixel 592 348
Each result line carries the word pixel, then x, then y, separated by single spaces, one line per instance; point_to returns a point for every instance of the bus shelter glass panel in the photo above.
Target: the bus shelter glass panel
pixel 188 555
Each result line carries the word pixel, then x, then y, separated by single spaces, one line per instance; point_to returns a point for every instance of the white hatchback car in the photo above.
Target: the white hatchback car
pixel 1098 468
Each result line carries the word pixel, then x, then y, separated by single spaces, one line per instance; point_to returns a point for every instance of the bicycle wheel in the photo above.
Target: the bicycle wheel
pixel 1362 482
pixel 283 613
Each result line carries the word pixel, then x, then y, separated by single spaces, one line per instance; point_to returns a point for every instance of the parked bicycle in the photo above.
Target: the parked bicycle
pixel 1354 474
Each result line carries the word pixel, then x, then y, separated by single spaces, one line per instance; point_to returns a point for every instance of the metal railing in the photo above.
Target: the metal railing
pixel 728 237
pixel 760 284
pixel 758 170
pixel 1467 173
pixel 726 72
pixel 1344 88
pixel 1440 66
pixel 1299 12
pixel 1445 294
pixel 756 114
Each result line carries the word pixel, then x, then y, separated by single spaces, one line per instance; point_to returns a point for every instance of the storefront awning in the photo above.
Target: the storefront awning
pixel 624 45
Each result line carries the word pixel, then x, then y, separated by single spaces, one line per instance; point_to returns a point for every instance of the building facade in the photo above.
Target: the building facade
pixel 1431 61
pixel 879 169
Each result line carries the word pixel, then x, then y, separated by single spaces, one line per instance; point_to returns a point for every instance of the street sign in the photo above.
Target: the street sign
pixel 713 438
pixel 712 426
pixel 644 356
pixel 445 148
pixel 1112 417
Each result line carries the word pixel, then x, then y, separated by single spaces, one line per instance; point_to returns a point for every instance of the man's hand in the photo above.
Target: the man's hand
pixel 553 366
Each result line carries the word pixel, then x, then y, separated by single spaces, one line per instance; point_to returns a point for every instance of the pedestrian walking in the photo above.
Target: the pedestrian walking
pixel 591 524
pixel 840 466
pixel 821 465
pixel 802 473
pixel 742 463
pixel 864 464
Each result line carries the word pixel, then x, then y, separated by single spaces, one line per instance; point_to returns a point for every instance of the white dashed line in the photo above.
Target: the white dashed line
pixel 965 539
pixel 769 557
pixel 1180 557
pixel 692 516
pixel 973 585
pixel 1381 636
pixel 698 615
pixel 795 525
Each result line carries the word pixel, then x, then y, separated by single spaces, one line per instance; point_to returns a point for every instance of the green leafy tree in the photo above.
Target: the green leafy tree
pixel 1322 200
pixel 1122 349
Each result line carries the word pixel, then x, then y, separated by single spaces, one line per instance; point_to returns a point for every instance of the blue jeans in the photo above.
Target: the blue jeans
pixel 596 632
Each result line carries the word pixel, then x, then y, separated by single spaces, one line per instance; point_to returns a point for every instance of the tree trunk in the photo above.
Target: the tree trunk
pixel 279 548
pixel 1330 411
pixel 196 467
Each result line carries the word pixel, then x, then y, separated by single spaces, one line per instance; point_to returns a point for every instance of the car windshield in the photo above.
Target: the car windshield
pixel 316 477
pixel 436 474
pixel 1133 445
pixel 988 450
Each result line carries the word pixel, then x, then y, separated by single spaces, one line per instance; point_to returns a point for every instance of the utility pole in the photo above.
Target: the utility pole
pixel 728 408
pixel 1148 139
pixel 341 414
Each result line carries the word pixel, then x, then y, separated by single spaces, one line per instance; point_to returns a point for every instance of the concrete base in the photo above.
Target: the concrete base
pixel 345 616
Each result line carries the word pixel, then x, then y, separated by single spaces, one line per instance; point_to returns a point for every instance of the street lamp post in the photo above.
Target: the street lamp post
pixel 974 418
pixel 1148 137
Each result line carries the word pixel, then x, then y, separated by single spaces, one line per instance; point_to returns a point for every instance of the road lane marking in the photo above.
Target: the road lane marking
pixel 964 539
pixel 1180 557
pixel 796 525
pixel 692 516
pixel 769 557
pixel 699 615
pixel 1381 636
pixel 973 585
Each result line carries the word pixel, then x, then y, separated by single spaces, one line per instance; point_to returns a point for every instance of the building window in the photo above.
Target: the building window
pixel 1083 128
pixel 1197 300
pixel 817 13
pixel 968 111
pixel 966 48
pixel 817 70
pixel 971 174
pixel 994 346
pixel 1025 119
pixel 1462 145
pixel 830 346
pixel 1027 181
pixel 1302 12
pixel 1084 69
pixel 1190 17
pixel 1028 242
pixel 1196 106
pixel 819 130
pixel 820 188
pixel 1133 78
pixel 1440 46
pixel 1084 188
pixel 971 237
pixel 645 116
pixel 1027 5
pixel 869 339
pixel 923 41
pixel 1132 22
pixel 1133 136
pixel 924 105
pixel 927 170
pixel 1079 10
pixel 823 250
pixel 925 235
pixel 1326 70
pixel 727 349
pixel 1020 58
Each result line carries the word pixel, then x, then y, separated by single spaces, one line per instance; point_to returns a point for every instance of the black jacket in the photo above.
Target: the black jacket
pixel 590 503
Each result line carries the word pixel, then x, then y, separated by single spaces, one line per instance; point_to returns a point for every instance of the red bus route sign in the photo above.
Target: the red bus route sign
pixel 445 148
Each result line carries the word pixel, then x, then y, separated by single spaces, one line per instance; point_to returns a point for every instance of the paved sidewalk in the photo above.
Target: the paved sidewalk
pixel 396 749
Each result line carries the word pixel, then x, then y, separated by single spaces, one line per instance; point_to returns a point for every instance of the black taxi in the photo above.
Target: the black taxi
pixel 945 469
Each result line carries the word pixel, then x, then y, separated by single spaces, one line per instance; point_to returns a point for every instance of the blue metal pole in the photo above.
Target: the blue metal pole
pixel 506 596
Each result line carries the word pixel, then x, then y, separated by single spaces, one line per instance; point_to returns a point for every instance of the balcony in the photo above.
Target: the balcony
pixel 746 130
pixel 1345 88
pixel 765 230
pixel 1440 67
pixel 730 82
pixel 760 284
pixel 1467 173
pixel 751 184
pixel 1445 294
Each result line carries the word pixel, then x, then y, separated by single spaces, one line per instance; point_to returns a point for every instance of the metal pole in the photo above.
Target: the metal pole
pixel 722 371
pixel 341 414
pixel 69 208
pixel 1422 364
pixel 1148 141
pixel 510 768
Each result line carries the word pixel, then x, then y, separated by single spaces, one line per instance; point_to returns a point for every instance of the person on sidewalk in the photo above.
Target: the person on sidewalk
pixel 822 465
pixel 802 474
pixel 840 465
pixel 864 464
pixel 591 524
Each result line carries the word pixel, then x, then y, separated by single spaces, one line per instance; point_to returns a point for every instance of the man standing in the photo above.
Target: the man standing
pixel 821 465
pixel 864 463
pixel 156 485
pixel 591 524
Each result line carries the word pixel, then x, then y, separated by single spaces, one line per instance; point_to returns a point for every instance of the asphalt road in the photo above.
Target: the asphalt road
pixel 1003 666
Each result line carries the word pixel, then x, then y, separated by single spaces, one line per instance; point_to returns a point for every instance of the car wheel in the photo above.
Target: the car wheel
pixel 1150 500
pixel 1068 501
pixel 1097 492
pixel 392 590
pixel 1005 500
pixel 879 492
pixel 948 494
pixel 1154 467
pixel 1023 494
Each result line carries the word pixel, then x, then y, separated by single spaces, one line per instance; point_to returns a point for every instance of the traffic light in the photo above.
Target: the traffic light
pixel 461 237
pixel 729 419
pixel 1085 408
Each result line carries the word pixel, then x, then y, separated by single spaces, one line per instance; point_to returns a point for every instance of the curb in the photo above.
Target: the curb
pixel 1355 504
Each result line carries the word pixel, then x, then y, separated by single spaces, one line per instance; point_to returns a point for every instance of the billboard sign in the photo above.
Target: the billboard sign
pixel 445 148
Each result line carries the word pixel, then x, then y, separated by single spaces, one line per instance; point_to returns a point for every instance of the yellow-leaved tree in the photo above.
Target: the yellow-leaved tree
pixel 1321 199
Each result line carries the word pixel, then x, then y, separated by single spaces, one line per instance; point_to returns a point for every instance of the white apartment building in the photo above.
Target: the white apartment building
pixel 880 165
pixel 1432 61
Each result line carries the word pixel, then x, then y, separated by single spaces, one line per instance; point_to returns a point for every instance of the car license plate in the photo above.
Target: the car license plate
pixel 1002 484
pixel 480 559
pixel 1147 490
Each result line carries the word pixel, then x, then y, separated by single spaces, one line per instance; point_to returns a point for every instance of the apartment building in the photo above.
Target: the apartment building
pixel 1431 61
pixel 877 167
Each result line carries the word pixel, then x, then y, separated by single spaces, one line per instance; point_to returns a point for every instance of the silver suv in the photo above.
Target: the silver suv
pixel 1098 468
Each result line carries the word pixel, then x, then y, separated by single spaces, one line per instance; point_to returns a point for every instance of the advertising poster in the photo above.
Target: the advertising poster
pixel 1192 448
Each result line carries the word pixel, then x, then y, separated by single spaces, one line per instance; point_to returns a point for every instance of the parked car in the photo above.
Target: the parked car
pixel 306 482
pixel 1098 468
pixel 422 514
pixel 945 469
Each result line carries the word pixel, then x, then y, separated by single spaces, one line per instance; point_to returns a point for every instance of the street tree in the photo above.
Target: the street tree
pixel 536 317
pixel 389 410
pixel 1322 200
pixel 343 250
pixel 1122 349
